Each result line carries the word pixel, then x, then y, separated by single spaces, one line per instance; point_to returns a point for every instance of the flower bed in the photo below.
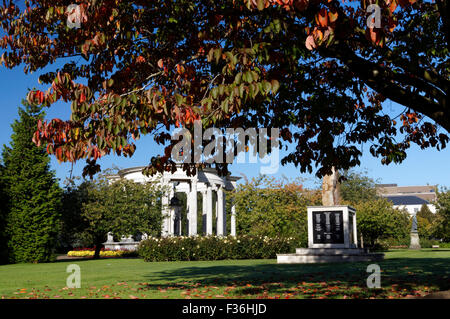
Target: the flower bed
pixel 89 252
pixel 214 248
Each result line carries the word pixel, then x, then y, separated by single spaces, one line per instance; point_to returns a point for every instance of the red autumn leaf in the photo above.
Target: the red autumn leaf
pixel 180 69
pixel 140 59
pixel 322 18
pixel 393 5
pixel 332 15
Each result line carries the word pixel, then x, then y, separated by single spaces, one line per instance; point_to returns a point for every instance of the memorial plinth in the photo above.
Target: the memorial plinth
pixel 332 237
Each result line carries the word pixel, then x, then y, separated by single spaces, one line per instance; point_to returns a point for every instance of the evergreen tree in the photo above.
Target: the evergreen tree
pixel 33 193
pixel 4 209
pixel 426 213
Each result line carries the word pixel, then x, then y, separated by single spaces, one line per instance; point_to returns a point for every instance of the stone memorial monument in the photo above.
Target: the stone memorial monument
pixel 332 234
pixel 415 243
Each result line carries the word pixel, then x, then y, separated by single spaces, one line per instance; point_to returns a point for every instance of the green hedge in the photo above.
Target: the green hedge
pixel 214 248
pixel 393 243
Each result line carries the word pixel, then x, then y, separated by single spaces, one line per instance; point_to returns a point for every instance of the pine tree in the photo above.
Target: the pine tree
pixel 33 193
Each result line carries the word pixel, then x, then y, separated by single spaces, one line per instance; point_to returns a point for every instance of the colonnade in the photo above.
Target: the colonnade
pixel 172 214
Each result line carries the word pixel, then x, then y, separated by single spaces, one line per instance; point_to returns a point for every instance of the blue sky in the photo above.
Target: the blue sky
pixel 420 168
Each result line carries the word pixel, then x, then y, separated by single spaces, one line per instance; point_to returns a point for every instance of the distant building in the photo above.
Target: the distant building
pixel 410 198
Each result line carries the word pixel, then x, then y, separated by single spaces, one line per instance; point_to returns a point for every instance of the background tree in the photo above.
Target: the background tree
pixel 313 68
pixel 377 219
pixel 425 213
pixel 269 207
pixel 33 193
pixel 4 209
pixel 72 222
pixel 441 225
pixel 357 187
pixel 425 219
pixel 122 207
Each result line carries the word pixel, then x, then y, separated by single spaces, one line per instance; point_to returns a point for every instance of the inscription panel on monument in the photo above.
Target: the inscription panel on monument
pixel 328 227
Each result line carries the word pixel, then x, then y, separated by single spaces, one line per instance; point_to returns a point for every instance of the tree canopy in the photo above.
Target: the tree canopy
pixel 357 187
pixel 317 69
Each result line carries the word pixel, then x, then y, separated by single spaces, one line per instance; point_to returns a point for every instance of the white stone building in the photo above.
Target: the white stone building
pixel 206 182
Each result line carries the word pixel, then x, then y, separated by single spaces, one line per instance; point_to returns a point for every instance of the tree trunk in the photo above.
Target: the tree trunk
pixel 98 247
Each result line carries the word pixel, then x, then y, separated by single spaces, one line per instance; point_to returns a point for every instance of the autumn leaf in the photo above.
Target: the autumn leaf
pixel 310 43
pixel 322 18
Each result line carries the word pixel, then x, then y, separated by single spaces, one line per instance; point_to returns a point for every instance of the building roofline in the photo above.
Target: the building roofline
pixel 139 169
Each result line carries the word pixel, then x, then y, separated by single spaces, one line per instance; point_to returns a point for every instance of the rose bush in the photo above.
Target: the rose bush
pixel 215 248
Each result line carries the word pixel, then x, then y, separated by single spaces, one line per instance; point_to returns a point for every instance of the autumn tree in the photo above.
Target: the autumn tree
pixel 317 69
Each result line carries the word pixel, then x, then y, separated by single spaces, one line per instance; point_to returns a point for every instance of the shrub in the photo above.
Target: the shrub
pixel 377 220
pixel 428 243
pixel 215 248
pixel 393 242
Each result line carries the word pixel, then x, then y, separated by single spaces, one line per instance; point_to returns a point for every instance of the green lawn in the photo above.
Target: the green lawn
pixel 403 273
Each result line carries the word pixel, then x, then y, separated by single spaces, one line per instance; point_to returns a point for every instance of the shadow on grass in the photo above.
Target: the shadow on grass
pixel 398 273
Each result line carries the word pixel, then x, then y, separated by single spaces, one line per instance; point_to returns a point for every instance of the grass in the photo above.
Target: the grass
pixel 404 273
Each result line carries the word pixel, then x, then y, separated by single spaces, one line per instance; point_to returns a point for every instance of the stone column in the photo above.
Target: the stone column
pixel 233 220
pixel 355 232
pixel 193 208
pixel 216 207
pixel 209 211
pixel 166 212
pixel 221 213
pixel 204 212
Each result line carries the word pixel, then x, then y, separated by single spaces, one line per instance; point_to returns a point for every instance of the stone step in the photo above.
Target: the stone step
pixel 331 251
pixel 312 258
